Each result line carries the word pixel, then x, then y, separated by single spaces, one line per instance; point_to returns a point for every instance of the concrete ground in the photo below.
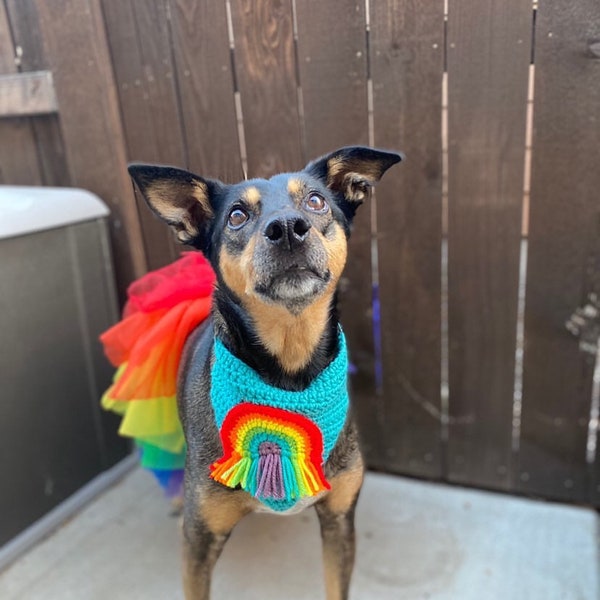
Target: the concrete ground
pixel 416 540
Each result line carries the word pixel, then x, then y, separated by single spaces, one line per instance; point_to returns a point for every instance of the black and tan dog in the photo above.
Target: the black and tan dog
pixel 278 247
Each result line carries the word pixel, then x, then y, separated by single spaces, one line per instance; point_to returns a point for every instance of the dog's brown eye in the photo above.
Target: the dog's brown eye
pixel 237 217
pixel 316 203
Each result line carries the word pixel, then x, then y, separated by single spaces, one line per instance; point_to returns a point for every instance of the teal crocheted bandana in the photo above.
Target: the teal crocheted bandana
pixel 275 442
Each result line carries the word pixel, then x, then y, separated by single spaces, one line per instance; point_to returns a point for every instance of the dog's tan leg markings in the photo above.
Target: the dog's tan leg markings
pixel 204 536
pixel 345 488
pixel 336 516
pixel 221 511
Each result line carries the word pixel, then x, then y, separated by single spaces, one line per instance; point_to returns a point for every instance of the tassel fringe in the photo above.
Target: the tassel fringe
pixel 273 476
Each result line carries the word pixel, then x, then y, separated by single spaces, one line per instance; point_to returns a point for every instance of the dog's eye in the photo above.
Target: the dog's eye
pixel 316 203
pixel 237 218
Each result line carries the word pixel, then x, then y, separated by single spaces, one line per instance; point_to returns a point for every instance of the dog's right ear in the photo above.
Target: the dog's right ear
pixel 180 198
pixel 351 171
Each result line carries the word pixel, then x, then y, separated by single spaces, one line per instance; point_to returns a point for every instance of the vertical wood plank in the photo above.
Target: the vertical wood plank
pixel 18 156
pixel 333 80
pixel 406 68
pixel 266 75
pixel 90 120
pixel 488 59
pixel 564 257
pixel 139 39
pixel 333 77
pixel 203 64
pixel 46 130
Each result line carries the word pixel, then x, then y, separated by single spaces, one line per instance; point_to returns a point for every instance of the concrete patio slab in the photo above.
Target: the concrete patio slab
pixel 416 540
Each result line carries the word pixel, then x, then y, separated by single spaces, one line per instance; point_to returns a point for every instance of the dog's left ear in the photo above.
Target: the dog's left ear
pixel 182 199
pixel 350 172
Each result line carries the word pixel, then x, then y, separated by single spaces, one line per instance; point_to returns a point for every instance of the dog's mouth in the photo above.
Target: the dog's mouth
pixel 299 277
pixel 295 286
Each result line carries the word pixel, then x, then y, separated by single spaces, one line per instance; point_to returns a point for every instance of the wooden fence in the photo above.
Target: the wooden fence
pixel 471 257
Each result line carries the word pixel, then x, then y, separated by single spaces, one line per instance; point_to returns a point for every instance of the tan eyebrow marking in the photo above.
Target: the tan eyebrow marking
pixel 251 195
pixel 295 187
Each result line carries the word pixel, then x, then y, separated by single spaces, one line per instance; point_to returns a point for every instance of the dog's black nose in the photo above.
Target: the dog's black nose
pixel 289 230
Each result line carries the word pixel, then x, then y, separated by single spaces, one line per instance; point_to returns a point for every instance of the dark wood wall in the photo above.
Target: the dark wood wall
pixel 471 256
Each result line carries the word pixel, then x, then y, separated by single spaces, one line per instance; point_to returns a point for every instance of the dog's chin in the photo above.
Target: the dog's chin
pixel 295 289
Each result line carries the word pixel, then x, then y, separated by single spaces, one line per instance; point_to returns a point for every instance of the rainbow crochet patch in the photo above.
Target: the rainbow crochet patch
pixel 273 454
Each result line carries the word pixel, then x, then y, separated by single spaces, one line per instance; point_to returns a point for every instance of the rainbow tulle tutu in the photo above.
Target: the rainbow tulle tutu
pixel 163 308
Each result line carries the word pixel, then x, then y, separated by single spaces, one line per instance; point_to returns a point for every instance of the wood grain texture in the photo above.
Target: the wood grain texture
pixel 90 120
pixel 564 253
pixel 203 63
pixel 266 76
pixel 18 157
pixel 488 61
pixel 27 94
pixel 333 80
pixel 48 135
pixel 139 40
pixel 406 67
pixel 333 77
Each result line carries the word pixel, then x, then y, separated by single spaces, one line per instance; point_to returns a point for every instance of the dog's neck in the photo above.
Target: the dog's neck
pixel 287 351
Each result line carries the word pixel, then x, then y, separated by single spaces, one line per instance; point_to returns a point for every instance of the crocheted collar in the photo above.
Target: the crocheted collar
pixel 276 441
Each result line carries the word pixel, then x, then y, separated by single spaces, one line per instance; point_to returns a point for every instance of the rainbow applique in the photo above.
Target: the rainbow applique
pixel 274 454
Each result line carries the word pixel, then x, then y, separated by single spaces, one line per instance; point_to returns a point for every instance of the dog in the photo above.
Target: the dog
pixel 278 247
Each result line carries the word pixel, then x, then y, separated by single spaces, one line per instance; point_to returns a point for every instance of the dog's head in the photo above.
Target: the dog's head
pixel 280 241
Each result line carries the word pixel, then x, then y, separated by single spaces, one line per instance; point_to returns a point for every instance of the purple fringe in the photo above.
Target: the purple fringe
pixel 270 472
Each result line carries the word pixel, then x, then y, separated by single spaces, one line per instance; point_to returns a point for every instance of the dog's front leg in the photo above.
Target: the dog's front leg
pixel 200 552
pixel 336 517
pixel 207 525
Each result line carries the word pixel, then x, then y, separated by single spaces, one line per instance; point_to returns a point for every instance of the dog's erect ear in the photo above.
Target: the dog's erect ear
pixel 180 198
pixel 351 171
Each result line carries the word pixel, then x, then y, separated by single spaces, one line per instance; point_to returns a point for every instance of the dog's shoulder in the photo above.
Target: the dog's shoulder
pixel 194 368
